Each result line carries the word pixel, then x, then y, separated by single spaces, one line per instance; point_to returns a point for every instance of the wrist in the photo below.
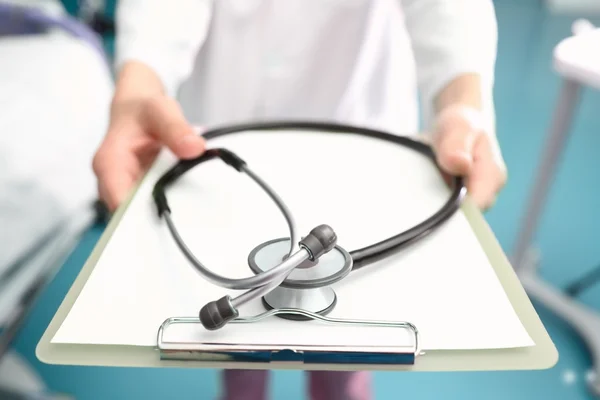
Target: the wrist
pixel 466 116
pixel 469 97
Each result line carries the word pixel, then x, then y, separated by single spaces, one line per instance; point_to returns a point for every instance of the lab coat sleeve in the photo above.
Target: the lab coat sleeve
pixel 163 35
pixel 450 38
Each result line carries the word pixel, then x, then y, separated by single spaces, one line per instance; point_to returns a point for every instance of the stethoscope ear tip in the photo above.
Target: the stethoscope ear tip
pixel 218 313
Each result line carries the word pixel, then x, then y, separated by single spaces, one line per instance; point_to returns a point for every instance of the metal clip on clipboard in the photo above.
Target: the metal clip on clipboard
pixel 309 354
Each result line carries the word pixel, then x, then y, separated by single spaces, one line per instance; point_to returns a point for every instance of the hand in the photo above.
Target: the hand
pixel 138 130
pixel 464 148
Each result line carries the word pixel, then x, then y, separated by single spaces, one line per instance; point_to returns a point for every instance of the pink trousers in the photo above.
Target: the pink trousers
pixel 323 385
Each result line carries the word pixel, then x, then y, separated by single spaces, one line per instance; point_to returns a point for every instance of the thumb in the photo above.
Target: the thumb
pixel 166 122
pixel 453 143
pixel 454 151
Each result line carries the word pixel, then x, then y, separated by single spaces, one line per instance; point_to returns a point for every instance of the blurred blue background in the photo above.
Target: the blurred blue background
pixel 525 95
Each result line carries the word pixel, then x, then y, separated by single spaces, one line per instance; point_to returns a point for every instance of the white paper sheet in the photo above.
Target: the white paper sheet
pixel 365 189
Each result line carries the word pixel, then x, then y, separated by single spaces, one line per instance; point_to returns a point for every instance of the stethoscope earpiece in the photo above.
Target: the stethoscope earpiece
pixel 216 314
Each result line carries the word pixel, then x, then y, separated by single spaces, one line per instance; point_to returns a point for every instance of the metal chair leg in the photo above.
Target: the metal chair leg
pixel 559 133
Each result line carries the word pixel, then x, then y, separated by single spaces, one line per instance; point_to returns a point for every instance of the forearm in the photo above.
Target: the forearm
pixel 465 90
pixel 136 80
pixel 454 44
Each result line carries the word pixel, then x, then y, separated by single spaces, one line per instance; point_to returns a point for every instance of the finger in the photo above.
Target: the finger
pixel 454 149
pixel 113 189
pixel 167 123
pixel 487 177
pixel 114 170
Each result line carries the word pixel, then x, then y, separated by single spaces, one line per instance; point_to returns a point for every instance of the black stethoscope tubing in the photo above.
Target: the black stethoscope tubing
pixel 360 257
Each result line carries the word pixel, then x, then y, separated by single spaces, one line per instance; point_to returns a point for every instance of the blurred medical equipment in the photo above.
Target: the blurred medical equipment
pixel 17 382
pixel 88 9
pixel 52 116
pixel 294 275
pixel 93 13
pixel 575 59
pixel 15 19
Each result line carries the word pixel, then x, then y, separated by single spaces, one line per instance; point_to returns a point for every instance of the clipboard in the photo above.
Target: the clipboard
pixel 309 347
pixel 542 355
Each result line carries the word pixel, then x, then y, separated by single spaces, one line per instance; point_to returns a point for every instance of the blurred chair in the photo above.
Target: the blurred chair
pixel 577 61
pixel 54 107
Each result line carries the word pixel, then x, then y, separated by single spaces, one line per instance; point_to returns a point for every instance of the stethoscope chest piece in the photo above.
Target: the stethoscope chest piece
pixel 308 286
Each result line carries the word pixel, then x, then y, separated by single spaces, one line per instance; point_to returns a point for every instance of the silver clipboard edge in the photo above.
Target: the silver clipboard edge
pixel 312 354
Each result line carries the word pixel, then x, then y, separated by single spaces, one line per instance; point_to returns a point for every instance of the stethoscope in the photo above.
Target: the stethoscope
pixel 295 273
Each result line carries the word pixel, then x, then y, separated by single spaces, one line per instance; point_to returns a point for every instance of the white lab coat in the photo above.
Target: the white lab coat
pixel 358 61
